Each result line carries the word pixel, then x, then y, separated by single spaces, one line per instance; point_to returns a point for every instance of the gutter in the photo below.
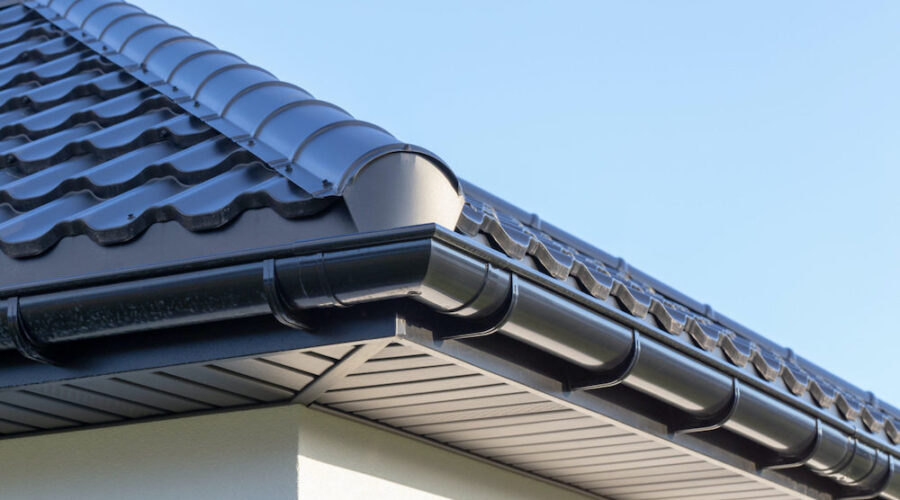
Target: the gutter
pixel 482 299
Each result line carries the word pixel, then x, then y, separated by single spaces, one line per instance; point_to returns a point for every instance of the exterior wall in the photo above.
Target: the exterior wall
pixel 341 459
pixel 235 455
pixel 273 453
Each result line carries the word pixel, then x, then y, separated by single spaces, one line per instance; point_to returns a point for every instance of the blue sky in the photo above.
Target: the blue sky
pixel 746 154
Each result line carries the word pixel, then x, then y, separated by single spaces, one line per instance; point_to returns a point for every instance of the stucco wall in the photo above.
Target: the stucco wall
pixel 341 459
pixel 273 453
pixel 235 455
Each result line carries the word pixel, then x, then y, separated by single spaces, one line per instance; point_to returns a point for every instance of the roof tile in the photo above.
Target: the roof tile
pixel 85 148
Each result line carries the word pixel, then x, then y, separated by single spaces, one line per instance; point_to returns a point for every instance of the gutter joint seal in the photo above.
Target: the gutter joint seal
pixel 688 424
pixel 25 343
pixel 281 308
pixel 798 459
pixel 495 321
pixel 882 486
pixel 616 375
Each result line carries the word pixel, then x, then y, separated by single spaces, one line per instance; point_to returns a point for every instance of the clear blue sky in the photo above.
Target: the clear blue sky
pixel 747 154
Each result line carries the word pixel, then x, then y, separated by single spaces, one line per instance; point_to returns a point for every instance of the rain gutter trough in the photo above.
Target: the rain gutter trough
pixel 481 293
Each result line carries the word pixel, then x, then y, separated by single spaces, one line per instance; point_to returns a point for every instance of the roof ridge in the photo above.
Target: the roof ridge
pixel 315 145
pixel 283 125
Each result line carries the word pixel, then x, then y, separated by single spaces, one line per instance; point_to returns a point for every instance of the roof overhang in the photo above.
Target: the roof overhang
pixel 190 333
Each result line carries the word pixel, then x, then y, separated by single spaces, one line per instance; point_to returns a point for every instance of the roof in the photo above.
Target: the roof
pixel 138 149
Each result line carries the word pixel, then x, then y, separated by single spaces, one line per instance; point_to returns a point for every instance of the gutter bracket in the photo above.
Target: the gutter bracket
pixel 493 322
pixel 614 376
pixel 282 309
pixel 25 344
pixel 799 459
pixel 688 424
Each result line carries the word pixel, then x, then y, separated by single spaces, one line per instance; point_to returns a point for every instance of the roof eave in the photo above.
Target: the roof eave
pixel 582 343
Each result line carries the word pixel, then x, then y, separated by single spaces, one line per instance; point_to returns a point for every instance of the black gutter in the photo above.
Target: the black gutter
pixel 534 221
pixel 489 299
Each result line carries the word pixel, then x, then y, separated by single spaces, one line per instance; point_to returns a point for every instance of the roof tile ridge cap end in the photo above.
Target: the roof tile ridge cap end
pixel 318 184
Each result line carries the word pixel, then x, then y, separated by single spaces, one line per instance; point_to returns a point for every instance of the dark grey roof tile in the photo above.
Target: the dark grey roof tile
pixel 593 278
pixel 632 300
pixel 849 406
pixel 551 257
pixel 768 365
pixel 702 335
pixel 873 419
pixel 822 393
pixel 35 29
pixel 471 220
pixel 250 100
pixel 737 350
pixel 46 72
pixel 669 318
pixel 796 379
pixel 892 429
pixel 37 48
pixel 105 143
pixel 92 82
pixel 15 14
pixel 85 148
pixel 89 109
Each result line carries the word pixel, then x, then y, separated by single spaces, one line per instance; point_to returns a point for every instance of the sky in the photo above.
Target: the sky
pixel 746 154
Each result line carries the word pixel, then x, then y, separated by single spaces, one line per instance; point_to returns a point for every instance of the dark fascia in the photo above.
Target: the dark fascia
pixel 482 294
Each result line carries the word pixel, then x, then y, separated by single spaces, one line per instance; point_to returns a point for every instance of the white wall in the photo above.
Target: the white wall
pixel 273 453
pixel 341 459
pixel 235 455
